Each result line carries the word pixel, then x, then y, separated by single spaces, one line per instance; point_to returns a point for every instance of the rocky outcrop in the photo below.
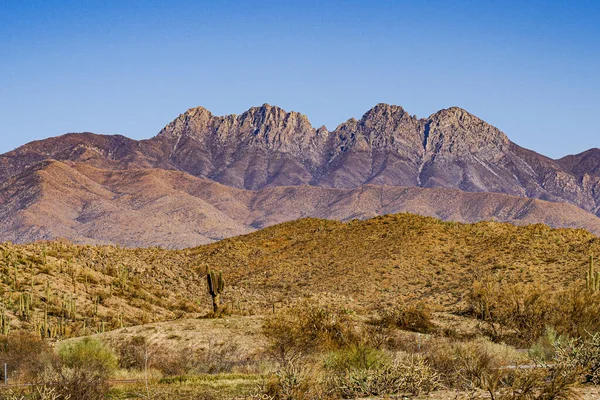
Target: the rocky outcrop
pixel 267 147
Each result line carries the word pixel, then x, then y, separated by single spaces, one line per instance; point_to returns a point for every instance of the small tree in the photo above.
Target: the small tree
pixel 216 284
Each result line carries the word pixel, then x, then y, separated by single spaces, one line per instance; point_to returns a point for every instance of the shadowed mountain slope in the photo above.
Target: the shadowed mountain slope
pixel 153 207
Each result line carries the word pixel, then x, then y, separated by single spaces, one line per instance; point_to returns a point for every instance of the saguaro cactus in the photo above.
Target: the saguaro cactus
pixel 4 323
pixel 592 280
pixel 216 284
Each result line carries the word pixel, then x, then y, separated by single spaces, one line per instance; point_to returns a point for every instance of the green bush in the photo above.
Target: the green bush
pixel 357 356
pixel 544 348
pixel 86 367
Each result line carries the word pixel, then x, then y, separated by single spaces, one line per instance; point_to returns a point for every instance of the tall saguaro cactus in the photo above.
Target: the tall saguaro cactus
pixel 216 284
pixel 592 280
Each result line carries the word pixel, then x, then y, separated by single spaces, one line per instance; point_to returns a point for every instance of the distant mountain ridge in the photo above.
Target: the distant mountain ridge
pixel 268 153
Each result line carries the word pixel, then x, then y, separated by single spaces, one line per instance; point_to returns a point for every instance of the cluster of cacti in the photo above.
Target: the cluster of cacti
pixel 122 279
pixel 216 284
pixel 592 280
pixel 51 331
pixel 25 305
pixel 68 307
pixel 43 329
pixel 56 289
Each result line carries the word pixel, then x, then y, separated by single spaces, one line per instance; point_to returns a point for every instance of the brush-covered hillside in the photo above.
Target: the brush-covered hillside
pixel 60 289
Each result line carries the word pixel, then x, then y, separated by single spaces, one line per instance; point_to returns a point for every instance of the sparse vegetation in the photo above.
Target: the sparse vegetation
pixel 394 305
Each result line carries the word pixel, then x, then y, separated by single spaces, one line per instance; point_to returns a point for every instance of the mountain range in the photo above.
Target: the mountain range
pixel 206 177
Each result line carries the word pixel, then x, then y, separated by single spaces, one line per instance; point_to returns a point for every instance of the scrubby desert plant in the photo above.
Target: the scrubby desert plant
pixel 522 312
pixel 86 367
pixel 296 379
pixel 409 375
pixel 471 364
pixel 26 355
pixel 218 357
pixel 307 328
pixel 415 317
pixel 534 384
pixel 544 348
pixel 358 356
pixel 581 355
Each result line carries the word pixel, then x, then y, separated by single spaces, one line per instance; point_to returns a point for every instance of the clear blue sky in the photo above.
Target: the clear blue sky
pixel 531 68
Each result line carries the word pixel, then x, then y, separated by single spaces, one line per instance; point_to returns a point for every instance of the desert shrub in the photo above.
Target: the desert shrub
pixel 522 312
pixel 468 365
pixel 544 349
pixel 576 312
pixel 26 354
pixel 581 355
pixel 378 334
pixel 359 356
pixel 415 317
pixel 134 353
pixel 296 379
pixel 308 328
pixel 410 375
pixel 523 309
pixel 482 365
pixel 534 384
pixel 86 367
pixel 137 353
pixel 216 358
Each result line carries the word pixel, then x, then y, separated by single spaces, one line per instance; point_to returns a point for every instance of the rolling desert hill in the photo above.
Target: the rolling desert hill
pixel 204 178
pixel 359 264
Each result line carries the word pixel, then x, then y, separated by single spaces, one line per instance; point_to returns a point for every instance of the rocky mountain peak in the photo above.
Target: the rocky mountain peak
pixel 454 130
pixel 384 109
pixel 455 115
pixel 273 117
pixel 383 126
pixel 192 121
